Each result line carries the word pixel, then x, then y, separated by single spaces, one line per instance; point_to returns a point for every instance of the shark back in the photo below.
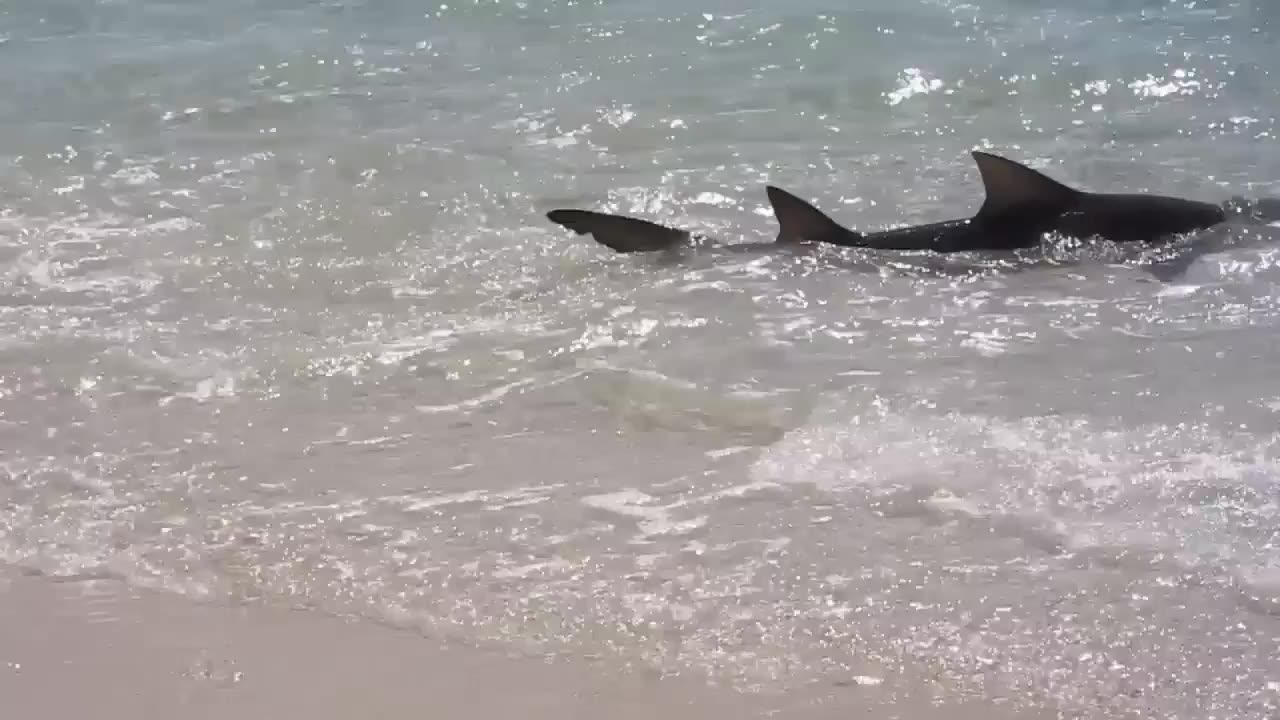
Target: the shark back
pixel 1020 204
pixel 1018 196
pixel 1137 218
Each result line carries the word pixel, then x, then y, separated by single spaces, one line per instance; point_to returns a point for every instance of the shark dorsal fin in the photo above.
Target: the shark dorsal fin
pixel 1013 187
pixel 798 221
pixel 619 232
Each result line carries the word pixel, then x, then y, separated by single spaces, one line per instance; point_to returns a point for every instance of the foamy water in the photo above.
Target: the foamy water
pixel 281 322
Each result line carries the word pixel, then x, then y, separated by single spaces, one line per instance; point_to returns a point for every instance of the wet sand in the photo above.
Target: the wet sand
pixel 79 648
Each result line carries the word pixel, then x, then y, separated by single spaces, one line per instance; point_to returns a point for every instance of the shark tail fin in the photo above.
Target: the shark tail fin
pixel 622 234
pixel 798 221
pixel 1015 189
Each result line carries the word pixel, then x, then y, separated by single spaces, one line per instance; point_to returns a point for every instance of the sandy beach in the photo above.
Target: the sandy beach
pixel 97 648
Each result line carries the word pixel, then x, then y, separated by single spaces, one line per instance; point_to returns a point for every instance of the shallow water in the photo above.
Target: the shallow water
pixel 281 321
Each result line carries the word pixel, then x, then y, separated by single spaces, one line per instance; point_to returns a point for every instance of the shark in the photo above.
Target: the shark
pixel 1021 206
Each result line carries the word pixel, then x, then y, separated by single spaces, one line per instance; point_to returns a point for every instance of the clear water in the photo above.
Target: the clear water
pixel 281 322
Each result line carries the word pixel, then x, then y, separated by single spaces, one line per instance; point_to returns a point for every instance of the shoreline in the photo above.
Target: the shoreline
pixel 99 647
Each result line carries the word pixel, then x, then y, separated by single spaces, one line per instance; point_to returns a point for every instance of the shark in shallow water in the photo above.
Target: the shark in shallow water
pixel 1021 206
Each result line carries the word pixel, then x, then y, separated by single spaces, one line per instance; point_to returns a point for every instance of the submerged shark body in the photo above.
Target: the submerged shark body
pixel 1021 206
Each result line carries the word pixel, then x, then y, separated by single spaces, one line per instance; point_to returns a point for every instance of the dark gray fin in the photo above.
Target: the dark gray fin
pixel 1013 188
pixel 621 233
pixel 798 221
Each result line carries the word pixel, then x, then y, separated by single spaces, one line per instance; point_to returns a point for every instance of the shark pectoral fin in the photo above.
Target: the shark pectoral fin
pixel 798 221
pixel 622 234
pixel 1015 189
